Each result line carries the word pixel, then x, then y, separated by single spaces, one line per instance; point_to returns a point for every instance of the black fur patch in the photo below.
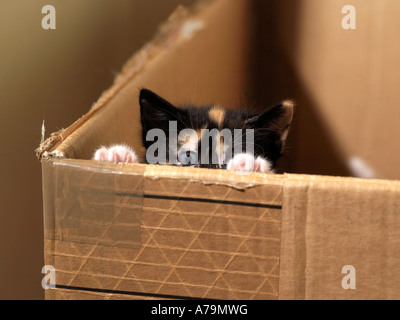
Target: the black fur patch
pixel 269 126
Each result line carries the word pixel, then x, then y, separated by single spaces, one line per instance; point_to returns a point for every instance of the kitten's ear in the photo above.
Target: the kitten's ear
pixel 277 119
pixel 156 112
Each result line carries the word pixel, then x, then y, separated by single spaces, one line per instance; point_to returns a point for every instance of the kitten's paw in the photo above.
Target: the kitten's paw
pixel 262 165
pixel 247 162
pixel 116 153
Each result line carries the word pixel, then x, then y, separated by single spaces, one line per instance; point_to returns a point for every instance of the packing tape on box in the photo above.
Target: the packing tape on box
pixel 92 203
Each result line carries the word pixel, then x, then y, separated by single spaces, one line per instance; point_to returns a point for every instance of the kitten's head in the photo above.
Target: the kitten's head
pixel 209 136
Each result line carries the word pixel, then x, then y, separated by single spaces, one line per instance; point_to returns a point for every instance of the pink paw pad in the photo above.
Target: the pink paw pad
pixel 261 165
pixel 117 153
pixel 247 163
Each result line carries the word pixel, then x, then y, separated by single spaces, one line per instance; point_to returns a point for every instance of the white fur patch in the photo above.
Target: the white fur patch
pixel 116 153
pixel 247 162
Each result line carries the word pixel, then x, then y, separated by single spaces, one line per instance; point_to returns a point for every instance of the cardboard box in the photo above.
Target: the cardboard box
pixel 140 231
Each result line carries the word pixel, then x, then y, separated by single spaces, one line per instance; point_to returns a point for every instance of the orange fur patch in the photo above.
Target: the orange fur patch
pixel 218 115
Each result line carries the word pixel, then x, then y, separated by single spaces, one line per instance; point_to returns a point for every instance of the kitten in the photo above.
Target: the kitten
pixel 207 137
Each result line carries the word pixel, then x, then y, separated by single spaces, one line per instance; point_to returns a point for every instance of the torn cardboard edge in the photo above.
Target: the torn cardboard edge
pixel 180 26
pixel 236 180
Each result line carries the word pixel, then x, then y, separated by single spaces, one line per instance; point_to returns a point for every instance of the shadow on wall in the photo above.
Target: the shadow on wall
pixel 310 147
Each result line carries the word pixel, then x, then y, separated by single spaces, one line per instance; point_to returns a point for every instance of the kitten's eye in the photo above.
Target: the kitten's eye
pixel 188 157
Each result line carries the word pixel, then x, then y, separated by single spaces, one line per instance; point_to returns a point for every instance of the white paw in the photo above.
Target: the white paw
pixel 247 162
pixel 116 153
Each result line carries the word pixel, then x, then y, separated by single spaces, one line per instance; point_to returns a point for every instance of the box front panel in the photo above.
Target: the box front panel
pixel 180 237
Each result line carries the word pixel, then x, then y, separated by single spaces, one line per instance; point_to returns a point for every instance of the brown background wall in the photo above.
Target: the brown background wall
pixel 53 75
pixel 56 75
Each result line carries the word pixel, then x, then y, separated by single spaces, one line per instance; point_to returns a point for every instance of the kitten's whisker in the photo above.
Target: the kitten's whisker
pixel 240 132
